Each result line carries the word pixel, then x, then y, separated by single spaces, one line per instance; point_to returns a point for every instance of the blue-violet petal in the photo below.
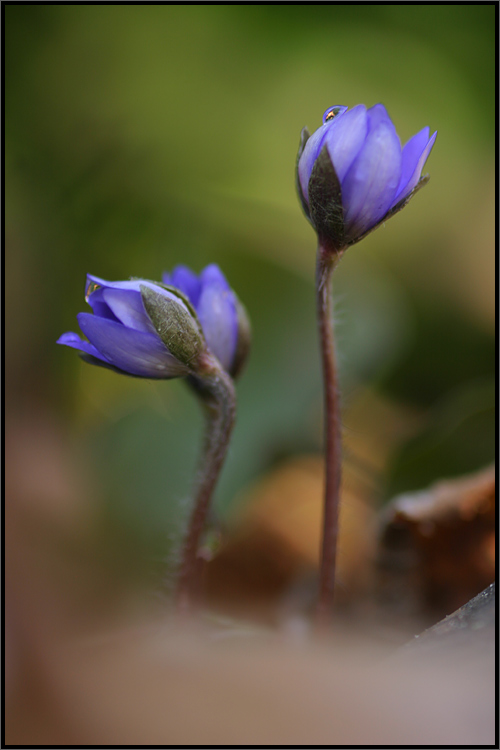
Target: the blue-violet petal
pixel 417 171
pixel 186 281
pixel 76 342
pixel 133 351
pixel 372 180
pixel 345 138
pixel 219 319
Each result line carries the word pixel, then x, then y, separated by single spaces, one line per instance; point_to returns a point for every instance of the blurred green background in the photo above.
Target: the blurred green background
pixel 138 137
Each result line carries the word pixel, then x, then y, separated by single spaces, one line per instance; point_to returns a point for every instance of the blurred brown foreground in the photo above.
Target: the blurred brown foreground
pixel 157 686
pixel 89 662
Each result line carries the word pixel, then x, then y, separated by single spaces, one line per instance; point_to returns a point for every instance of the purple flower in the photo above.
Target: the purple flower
pixel 222 316
pixel 352 173
pixel 160 330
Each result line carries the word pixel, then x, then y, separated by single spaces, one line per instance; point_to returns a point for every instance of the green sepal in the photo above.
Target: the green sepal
pixel 173 290
pixel 325 202
pixel 176 324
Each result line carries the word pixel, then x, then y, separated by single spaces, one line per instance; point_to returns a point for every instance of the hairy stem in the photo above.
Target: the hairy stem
pixel 217 395
pixel 326 262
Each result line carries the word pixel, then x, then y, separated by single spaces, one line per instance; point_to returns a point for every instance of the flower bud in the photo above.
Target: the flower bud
pixel 352 173
pixel 160 330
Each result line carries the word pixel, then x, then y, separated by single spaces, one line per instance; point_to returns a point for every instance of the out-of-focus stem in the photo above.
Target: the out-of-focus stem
pixel 217 395
pixel 326 262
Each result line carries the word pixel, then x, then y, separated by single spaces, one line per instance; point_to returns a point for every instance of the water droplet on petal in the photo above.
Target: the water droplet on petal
pixel 331 113
pixel 92 287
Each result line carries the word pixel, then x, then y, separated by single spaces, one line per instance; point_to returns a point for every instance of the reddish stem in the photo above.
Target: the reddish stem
pixel 216 391
pixel 326 262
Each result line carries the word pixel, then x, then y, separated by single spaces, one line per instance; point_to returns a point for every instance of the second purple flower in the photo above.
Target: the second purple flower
pixel 158 330
pixel 352 173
